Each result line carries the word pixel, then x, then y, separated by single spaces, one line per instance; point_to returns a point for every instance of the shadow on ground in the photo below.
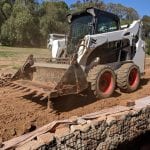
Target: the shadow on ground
pixel 70 102
pixel 144 81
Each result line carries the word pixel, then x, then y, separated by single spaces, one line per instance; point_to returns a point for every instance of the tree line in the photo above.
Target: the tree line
pixel 146 32
pixel 28 22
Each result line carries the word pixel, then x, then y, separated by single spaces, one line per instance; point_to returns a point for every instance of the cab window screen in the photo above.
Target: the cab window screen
pixel 79 28
pixel 106 24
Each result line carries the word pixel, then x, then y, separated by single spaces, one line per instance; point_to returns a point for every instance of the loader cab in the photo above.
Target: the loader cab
pixel 88 22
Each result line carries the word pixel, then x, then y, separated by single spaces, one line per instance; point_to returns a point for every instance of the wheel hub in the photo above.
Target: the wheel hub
pixel 105 84
pixel 133 77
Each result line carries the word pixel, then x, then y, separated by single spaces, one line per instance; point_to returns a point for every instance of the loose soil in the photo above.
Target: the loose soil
pixel 19 115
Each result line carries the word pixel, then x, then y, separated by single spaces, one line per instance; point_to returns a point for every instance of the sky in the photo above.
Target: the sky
pixel 142 6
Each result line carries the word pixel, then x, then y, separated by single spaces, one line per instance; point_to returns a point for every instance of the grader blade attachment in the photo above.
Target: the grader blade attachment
pixel 47 80
pixel 4 79
pixel 62 79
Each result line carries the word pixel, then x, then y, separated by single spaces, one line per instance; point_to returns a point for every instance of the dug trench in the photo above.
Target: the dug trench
pixel 19 114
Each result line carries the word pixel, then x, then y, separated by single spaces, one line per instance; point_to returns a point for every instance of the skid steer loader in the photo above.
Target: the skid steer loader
pixel 100 54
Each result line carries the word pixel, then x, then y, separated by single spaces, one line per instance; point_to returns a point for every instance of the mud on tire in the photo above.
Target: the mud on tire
pixel 103 80
pixel 128 77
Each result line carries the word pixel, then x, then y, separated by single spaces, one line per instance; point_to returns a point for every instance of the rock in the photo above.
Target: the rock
pixel 74 128
pixel 31 145
pixel 112 130
pixel 130 103
pixel 110 120
pixel 13 132
pixel 67 138
pixel 73 118
pixel 45 138
pixel 83 128
pixel 90 121
pixel 71 142
pixel 135 113
pixel 101 120
pixel 94 124
pixel 62 130
pixel 81 121
pixel 102 146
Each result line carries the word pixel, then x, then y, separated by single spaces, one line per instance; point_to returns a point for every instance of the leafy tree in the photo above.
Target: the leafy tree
pixel 148 46
pixel 146 31
pixel 28 23
pixel 127 15
pixel 5 10
pixel 20 28
pixel 53 18
pixel 80 5
pixel 146 26
pixel 7 32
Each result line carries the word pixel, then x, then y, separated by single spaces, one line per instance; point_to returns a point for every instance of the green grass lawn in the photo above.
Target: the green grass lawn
pixel 7 54
pixel 21 53
pixel 13 57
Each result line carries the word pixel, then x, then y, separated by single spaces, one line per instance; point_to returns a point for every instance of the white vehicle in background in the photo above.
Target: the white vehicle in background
pixel 52 37
pixel 56 43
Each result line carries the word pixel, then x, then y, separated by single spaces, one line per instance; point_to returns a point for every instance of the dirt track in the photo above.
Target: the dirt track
pixel 19 115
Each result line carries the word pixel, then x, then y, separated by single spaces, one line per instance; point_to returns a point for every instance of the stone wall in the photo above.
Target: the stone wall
pixel 103 130
pixel 105 133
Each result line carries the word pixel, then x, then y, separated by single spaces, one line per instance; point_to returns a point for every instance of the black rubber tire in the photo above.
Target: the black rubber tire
pixel 123 78
pixel 94 77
